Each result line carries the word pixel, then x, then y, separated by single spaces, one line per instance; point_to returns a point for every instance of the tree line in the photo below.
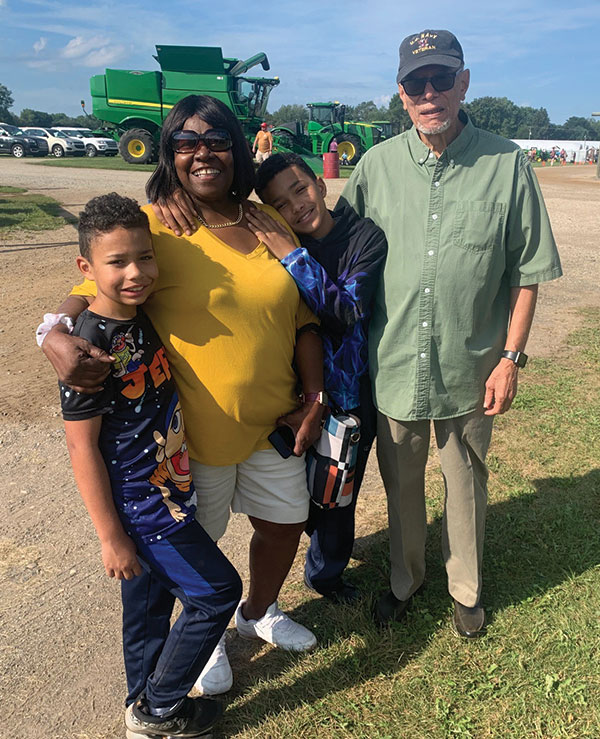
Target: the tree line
pixel 30 117
pixel 498 115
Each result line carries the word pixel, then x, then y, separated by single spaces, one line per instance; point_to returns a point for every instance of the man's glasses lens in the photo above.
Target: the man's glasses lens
pixel 439 82
pixel 184 142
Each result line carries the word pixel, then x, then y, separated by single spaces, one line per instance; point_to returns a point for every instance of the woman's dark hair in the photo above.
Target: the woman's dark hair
pixel 164 180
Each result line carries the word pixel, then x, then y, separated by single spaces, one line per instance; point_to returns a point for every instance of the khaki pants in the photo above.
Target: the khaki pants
pixel 402 448
pixel 262 156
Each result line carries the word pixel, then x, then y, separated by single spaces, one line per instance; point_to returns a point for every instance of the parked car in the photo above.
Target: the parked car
pixel 58 142
pixel 94 144
pixel 14 141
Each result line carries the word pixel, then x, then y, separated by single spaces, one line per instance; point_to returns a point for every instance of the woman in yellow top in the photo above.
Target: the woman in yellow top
pixel 232 321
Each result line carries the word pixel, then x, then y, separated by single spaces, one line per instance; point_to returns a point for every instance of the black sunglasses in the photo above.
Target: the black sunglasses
pixel 439 82
pixel 187 142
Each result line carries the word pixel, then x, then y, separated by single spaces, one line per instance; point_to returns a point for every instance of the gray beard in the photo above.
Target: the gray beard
pixel 433 131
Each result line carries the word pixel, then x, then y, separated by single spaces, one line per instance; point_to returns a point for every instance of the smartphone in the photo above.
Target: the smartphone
pixel 283 440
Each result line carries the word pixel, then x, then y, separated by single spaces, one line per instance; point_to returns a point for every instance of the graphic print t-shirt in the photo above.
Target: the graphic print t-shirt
pixel 142 436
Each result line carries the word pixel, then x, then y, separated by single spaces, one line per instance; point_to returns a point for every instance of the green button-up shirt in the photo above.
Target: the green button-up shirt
pixel 462 229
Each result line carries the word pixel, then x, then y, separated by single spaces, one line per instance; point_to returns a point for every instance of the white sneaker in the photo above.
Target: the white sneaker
pixel 216 677
pixel 276 628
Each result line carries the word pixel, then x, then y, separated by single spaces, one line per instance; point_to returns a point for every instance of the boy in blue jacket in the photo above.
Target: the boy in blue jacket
pixel 337 269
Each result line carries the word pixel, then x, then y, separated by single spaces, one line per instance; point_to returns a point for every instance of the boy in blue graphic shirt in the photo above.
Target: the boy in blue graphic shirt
pixel 130 462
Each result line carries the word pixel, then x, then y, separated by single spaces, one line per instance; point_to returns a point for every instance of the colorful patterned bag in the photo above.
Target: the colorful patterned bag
pixel 331 461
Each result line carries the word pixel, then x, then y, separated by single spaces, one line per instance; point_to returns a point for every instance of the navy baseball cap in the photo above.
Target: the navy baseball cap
pixel 429 47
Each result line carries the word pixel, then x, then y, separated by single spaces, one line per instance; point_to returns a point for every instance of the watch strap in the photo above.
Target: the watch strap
pixel 320 397
pixel 519 358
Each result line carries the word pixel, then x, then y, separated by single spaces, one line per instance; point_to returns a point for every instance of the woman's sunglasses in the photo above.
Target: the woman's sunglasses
pixel 187 142
pixel 439 82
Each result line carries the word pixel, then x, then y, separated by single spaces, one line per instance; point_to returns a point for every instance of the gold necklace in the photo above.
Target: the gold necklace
pixel 223 225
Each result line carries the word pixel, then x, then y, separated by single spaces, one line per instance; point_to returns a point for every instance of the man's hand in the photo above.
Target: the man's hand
pixel 273 234
pixel 306 424
pixel 500 388
pixel 78 364
pixel 120 559
pixel 177 213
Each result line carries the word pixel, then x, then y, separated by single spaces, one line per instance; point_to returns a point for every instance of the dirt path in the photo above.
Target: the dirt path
pixel 60 664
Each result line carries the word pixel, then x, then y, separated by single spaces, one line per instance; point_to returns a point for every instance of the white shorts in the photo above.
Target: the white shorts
pixel 262 156
pixel 265 486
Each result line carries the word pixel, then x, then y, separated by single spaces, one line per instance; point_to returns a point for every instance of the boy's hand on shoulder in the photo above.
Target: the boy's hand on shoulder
pixel 273 234
pixel 119 556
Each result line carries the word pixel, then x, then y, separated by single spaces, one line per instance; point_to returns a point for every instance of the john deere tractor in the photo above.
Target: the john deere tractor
pixel 326 124
pixel 137 102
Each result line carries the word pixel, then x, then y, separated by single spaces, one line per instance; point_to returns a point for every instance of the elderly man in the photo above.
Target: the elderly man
pixel 469 241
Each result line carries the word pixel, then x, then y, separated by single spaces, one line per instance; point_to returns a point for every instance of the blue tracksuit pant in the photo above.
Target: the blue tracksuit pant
pixel 162 661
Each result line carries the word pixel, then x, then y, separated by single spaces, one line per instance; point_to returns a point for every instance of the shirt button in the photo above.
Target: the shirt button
pixel 425 324
pixel 431 155
pixel 423 355
pixel 434 217
pixel 421 161
pixel 427 290
pixel 437 184
pixel 431 252
pixel 452 162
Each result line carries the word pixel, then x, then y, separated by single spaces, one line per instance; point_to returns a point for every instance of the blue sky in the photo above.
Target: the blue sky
pixel 542 53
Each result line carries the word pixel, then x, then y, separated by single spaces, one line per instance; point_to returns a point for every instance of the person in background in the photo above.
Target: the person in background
pixel 262 147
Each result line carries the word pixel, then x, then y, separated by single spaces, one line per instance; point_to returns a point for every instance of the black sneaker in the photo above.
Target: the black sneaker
pixel 195 717
pixel 342 593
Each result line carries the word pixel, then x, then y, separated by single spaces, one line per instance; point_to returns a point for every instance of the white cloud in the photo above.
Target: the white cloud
pixel 79 46
pixel 96 51
pixel 39 45
pixel 104 56
pixel 382 100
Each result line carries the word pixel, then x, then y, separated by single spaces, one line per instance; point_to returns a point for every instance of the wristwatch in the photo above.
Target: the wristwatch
pixel 320 397
pixel 519 358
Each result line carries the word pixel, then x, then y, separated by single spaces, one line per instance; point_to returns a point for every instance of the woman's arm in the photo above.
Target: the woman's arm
pixel 306 421
pixel 76 361
pixel 118 550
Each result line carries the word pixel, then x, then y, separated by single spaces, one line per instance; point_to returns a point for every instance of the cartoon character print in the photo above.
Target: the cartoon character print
pixel 173 461
pixel 123 349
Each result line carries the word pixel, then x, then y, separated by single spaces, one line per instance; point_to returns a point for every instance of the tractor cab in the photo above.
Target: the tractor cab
pixel 251 96
pixel 322 115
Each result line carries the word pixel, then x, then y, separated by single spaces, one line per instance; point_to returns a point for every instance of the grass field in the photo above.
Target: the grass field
pixel 536 672
pixel 27 212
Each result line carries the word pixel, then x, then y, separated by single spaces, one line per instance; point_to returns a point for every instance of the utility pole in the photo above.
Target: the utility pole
pixel 598 163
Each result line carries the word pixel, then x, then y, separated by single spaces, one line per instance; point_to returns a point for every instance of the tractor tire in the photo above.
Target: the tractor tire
pixel 283 138
pixel 18 151
pixel 136 146
pixel 90 151
pixel 347 142
pixel 58 151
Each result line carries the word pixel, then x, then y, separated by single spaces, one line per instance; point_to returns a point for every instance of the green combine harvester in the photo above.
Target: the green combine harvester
pixel 326 124
pixel 135 103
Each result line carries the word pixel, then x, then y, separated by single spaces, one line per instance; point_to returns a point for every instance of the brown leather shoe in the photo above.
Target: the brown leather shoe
pixel 469 622
pixel 389 608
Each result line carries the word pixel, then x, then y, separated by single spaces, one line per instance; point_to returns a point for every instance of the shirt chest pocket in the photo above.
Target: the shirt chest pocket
pixel 478 225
